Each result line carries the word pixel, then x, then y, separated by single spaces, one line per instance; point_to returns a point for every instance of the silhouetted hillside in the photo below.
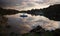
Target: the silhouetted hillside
pixel 39 31
pixel 52 12
pixel 8 11
pixel 33 12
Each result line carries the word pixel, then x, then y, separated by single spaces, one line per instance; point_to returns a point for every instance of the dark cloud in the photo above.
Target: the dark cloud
pixel 24 4
pixel 10 2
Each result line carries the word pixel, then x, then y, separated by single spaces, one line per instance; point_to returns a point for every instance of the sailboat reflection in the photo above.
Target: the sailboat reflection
pixel 23 15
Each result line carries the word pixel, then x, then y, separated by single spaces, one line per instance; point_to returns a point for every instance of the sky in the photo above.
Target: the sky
pixel 27 4
pixel 24 25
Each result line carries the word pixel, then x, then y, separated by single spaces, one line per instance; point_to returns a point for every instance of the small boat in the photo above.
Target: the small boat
pixel 23 15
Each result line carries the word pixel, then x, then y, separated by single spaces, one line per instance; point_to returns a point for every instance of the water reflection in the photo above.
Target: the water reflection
pixel 24 25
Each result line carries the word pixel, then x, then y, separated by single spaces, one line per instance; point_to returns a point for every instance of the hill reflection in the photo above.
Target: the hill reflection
pixel 24 25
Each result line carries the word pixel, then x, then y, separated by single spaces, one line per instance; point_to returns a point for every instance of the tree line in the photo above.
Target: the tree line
pixel 52 12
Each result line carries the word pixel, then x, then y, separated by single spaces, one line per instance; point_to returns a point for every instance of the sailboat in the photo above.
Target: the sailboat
pixel 23 15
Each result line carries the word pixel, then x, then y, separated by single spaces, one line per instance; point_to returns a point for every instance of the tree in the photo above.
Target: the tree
pixel 57 32
pixel 52 12
pixel 8 11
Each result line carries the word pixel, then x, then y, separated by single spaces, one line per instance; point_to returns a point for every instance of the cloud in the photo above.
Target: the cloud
pixel 24 25
pixel 25 4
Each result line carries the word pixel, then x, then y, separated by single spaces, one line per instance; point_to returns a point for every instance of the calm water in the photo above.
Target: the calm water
pixel 25 24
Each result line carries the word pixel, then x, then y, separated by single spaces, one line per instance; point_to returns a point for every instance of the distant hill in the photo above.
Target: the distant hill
pixel 52 12
pixel 8 11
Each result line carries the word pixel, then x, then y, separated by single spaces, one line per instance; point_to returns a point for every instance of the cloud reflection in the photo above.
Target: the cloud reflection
pixel 26 24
